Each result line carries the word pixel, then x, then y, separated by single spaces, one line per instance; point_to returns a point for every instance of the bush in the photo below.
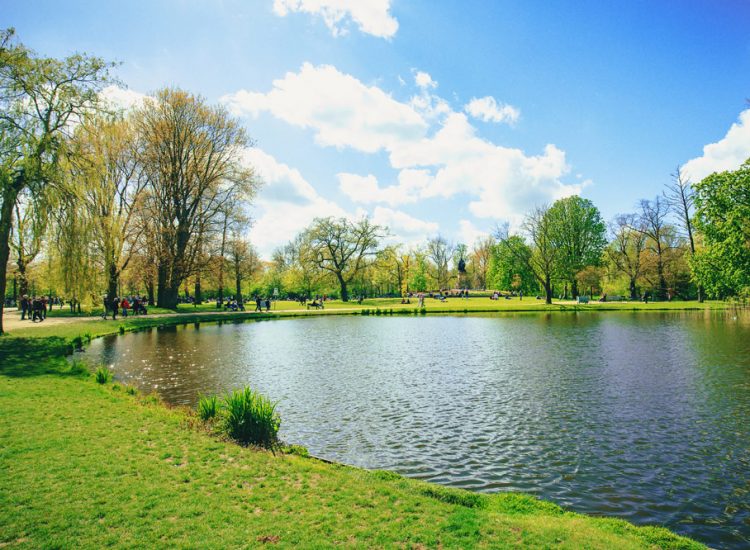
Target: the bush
pixel 103 375
pixel 131 390
pixel 78 368
pixel 121 328
pixel 208 406
pixel 251 418
pixel 77 343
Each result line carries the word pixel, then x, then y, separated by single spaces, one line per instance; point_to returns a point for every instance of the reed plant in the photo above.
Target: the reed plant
pixel 208 406
pixel 250 418
pixel 102 375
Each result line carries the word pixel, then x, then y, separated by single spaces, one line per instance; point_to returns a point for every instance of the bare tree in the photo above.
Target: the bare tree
pixel 680 198
pixel 625 249
pixel 652 222
pixel 440 251
pixel 343 248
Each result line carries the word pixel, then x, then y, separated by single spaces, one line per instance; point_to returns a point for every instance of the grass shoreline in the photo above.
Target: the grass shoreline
pixel 297 502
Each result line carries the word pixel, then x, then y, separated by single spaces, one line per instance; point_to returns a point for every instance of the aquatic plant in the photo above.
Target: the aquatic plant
pixel 208 406
pixel 102 375
pixel 249 417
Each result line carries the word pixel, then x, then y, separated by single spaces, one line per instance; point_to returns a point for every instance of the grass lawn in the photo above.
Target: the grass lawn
pixel 89 465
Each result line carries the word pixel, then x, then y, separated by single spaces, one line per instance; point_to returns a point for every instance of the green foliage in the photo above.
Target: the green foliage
pixel 121 329
pixel 722 203
pixel 251 418
pixel 297 450
pixel 208 406
pixel 578 233
pixel 102 375
pixel 508 267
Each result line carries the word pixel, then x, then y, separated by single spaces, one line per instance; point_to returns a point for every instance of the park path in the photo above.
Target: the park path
pixel 12 317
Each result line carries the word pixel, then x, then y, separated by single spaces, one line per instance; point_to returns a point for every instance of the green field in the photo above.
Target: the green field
pixel 89 465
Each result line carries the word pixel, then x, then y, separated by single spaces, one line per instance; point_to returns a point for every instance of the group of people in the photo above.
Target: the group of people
pixel 261 303
pixel 134 304
pixel 35 309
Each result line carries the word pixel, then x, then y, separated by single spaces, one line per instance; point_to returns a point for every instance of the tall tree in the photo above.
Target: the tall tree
pixel 244 261
pixel 440 251
pixel 652 222
pixel 191 159
pixel 625 249
pixel 722 203
pixel 509 265
pixel 108 180
pixel 480 260
pixel 39 98
pixel 579 235
pixel 681 199
pixel 343 248
pixel 27 235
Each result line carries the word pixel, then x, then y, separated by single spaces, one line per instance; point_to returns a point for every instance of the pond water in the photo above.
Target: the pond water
pixel 643 416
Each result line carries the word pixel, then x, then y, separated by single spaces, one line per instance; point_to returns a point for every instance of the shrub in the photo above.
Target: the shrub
pixel 251 418
pixel 298 450
pixel 208 405
pixel 78 368
pixel 77 343
pixel 121 328
pixel 130 390
pixel 102 375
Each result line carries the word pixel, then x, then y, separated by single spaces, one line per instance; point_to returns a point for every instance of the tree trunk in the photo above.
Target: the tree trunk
pixel 700 294
pixel 344 291
pixel 547 290
pixel 111 282
pixel 633 290
pixel 161 288
pixel 169 298
pixel 150 292
pixel 23 281
pixel 574 289
pixel 238 295
pixel 197 291
pixel 6 221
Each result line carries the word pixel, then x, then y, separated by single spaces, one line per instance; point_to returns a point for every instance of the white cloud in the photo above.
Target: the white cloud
pixel 434 156
pixel 371 16
pixel 403 225
pixel 286 203
pixel 365 189
pixel 339 108
pixel 469 234
pixel 121 98
pixel 488 109
pixel 726 154
pixel 424 80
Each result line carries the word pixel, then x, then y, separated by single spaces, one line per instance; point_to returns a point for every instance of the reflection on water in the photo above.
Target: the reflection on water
pixel 640 416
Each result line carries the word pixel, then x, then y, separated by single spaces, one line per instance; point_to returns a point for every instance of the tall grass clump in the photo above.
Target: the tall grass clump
pixel 208 406
pixel 251 418
pixel 102 375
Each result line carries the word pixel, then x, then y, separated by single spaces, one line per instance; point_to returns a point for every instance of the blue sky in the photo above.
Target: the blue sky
pixel 365 107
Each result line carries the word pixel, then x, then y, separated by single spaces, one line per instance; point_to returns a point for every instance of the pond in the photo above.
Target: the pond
pixel 642 416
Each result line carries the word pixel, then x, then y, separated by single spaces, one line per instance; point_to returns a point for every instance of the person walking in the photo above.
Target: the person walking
pixel 257 304
pixel 115 307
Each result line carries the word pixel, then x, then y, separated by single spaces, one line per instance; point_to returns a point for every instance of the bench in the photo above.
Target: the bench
pixel 582 300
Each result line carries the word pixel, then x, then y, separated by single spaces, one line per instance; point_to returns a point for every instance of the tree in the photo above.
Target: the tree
pixel 480 260
pixel 680 197
pixel 343 248
pixel 244 261
pixel 440 252
pixel 652 222
pixel 191 159
pixel 509 265
pixel 722 202
pixel 626 248
pixel 579 235
pixel 108 181
pixel 27 235
pixel 39 99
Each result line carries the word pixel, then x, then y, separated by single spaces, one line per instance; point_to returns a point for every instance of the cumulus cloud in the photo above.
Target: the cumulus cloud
pixel 726 154
pixel 469 234
pixel 365 189
pixel 433 156
pixel 424 80
pixel 371 16
pixel 488 109
pixel 404 226
pixel 122 98
pixel 341 110
pixel 286 203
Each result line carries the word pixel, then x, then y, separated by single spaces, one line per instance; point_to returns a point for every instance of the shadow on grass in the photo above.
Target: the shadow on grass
pixel 20 357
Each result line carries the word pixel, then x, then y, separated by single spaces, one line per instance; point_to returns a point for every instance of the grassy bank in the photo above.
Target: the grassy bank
pixel 88 465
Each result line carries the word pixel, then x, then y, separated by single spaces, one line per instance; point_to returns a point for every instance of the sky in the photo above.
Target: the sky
pixel 435 117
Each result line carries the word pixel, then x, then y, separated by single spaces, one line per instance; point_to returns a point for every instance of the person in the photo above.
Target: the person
pixel 268 304
pixel 257 304
pixel 115 307
pixel 125 305
pixel 25 307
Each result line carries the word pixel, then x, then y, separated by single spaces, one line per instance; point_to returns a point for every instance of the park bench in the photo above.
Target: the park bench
pixel 315 304
pixel 582 300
